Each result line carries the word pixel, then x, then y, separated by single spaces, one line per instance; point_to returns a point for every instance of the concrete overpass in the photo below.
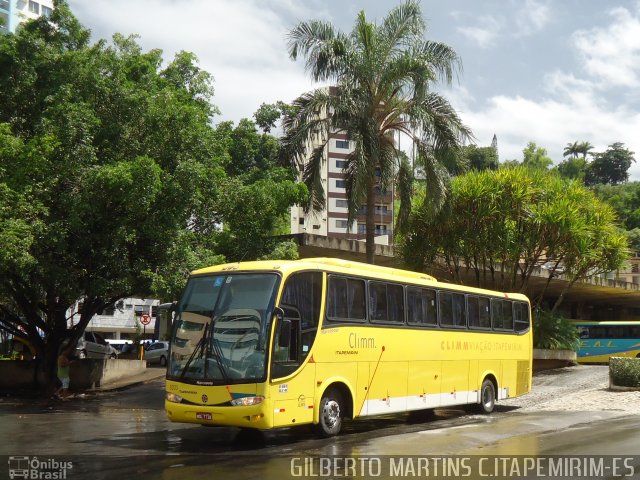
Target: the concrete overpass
pixel 593 298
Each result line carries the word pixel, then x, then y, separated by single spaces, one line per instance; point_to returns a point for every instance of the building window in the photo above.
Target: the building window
pixel 342 224
pixel 342 143
pixel 341 184
pixel 141 310
pixel 382 209
pixel 301 221
pixel 109 311
pixel 34 7
pixel 46 11
pixel 362 228
pixel 341 164
pixel 381 229
pixel 634 268
pixel 342 203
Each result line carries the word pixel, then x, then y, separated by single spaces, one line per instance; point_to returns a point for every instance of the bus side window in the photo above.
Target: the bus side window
pixel 501 314
pixel 521 316
pixel 421 306
pixel 346 299
pixel 386 302
pixel 451 309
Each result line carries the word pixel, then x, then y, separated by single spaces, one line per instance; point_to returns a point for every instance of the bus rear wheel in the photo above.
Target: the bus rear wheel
pixel 487 397
pixel 331 414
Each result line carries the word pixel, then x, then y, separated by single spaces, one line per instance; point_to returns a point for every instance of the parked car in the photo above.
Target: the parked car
pixel 157 352
pixel 92 345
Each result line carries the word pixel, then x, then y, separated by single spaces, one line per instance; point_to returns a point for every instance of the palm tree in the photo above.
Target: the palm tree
pixel 572 149
pixel 584 148
pixel 382 76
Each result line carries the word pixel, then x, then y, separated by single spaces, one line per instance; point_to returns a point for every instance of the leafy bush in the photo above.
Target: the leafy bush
pixel 624 372
pixel 554 332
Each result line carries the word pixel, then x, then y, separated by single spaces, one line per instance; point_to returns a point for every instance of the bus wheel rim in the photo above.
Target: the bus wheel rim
pixel 487 398
pixel 331 413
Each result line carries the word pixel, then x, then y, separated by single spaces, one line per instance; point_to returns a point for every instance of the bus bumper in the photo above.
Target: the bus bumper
pixel 254 416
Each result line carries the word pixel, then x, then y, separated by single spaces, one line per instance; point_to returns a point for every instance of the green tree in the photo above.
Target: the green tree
pixel 611 166
pixel 503 225
pixel 383 76
pixel 112 179
pixel 480 158
pixel 268 114
pixel 572 168
pixel 571 150
pixel 534 156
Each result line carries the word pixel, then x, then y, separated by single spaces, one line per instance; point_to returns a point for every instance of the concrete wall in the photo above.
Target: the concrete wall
pixel 18 375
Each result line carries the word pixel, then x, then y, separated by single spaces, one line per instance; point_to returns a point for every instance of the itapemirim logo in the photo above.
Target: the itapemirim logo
pixel 35 469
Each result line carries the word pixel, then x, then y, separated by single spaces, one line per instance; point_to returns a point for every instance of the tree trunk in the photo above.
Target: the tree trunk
pixel 371 221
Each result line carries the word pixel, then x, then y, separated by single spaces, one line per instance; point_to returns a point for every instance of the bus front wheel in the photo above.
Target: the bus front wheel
pixel 331 414
pixel 487 396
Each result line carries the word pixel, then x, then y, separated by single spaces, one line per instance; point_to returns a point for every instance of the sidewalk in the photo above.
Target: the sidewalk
pixel 148 375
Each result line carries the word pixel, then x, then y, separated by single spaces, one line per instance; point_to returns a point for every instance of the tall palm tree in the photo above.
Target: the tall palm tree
pixel 382 75
pixel 584 148
pixel 572 149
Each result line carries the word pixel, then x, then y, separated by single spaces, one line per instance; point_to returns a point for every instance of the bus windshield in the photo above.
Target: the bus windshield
pixel 221 329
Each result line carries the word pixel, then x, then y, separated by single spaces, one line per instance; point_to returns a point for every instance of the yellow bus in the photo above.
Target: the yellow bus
pixel 281 343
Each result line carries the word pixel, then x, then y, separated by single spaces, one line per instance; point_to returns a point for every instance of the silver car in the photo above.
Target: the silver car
pixel 92 345
pixel 157 352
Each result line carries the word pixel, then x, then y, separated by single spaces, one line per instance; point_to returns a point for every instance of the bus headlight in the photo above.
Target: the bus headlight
pixel 172 397
pixel 246 401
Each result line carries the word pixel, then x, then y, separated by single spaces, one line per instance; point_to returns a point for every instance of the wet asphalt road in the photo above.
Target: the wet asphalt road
pixel 126 435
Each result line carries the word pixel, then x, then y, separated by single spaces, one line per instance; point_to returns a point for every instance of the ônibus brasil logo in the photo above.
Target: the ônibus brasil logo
pixel 36 469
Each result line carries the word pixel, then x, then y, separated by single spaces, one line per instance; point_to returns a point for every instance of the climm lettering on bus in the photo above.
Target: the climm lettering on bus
pixel 356 341
pixel 480 346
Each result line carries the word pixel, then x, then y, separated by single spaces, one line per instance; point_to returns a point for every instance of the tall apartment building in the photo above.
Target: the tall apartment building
pixel 14 12
pixel 332 220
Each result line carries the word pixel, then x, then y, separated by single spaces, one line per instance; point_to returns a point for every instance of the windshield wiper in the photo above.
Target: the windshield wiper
pixel 217 354
pixel 198 348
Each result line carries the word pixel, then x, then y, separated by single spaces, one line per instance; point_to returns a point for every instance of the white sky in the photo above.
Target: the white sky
pixel 552 72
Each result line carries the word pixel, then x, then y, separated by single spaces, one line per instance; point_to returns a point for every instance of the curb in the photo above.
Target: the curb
pixel 124 383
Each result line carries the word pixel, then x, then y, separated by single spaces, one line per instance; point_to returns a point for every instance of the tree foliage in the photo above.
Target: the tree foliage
pixel 503 225
pixel 113 182
pixel 611 166
pixel 480 158
pixel 383 75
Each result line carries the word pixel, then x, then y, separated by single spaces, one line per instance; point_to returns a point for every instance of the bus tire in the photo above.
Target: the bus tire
pixel 487 397
pixel 331 413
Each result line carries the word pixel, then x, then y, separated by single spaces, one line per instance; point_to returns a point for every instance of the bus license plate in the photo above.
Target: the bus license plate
pixel 204 416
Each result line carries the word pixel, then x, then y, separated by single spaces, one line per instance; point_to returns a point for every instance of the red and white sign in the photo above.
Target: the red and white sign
pixel 145 319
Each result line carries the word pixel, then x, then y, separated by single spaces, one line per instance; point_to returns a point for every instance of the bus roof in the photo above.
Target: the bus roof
pixel 605 323
pixel 338 265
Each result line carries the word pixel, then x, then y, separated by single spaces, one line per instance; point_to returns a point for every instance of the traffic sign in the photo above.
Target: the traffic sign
pixel 145 319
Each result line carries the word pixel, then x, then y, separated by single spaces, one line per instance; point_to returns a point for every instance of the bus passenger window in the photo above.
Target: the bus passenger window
pixel 421 306
pixel 501 315
pixel 445 309
pixel 346 299
pixel 485 312
pixel 521 317
pixel 386 302
pixel 459 313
